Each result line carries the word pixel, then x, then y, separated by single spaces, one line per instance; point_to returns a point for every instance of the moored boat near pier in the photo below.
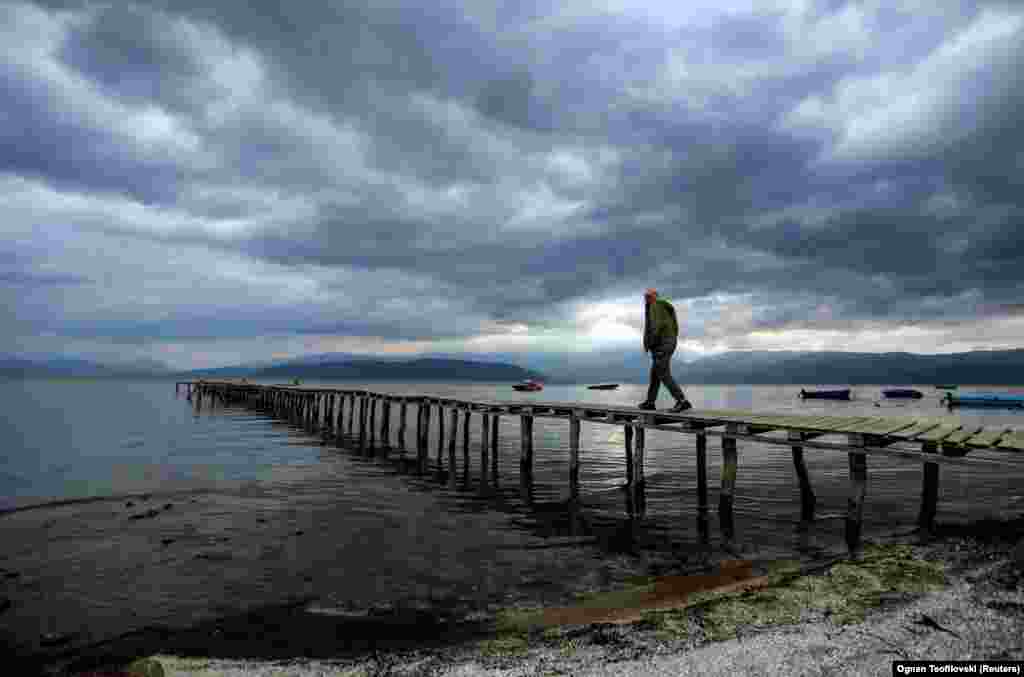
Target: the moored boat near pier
pixel 984 400
pixel 838 394
pixel 903 392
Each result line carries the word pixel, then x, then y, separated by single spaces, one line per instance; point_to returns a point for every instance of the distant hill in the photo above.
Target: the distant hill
pixel 995 367
pixel 12 367
pixel 297 364
pixel 598 366
pixel 423 369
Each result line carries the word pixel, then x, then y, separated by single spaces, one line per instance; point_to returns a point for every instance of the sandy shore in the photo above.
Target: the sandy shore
pixel 958 595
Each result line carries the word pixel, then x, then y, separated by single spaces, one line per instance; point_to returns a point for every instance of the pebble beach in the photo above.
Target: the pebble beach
pixel 955 595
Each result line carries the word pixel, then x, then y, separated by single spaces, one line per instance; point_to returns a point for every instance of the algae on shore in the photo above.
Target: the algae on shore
pixel 844 593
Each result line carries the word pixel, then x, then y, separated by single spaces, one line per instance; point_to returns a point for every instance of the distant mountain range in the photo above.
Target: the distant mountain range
pixel 70 367
pixel 997 367
pixel 421 369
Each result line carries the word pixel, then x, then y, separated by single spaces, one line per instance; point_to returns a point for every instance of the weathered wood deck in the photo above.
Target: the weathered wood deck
pixel 930 441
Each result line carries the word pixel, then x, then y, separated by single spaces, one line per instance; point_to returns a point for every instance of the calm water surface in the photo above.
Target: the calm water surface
pixel 284 514
pixel 65 439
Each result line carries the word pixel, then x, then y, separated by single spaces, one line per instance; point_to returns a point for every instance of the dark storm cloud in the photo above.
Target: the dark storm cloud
pixel 133 54
pixel 40 139
pixel 523 157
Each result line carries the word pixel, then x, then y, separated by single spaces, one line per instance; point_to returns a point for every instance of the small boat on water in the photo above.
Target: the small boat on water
pixel 529 386
pixel 984 400
pixel 946 387
pixel 903 392
pixel 840 394
pixel 603 386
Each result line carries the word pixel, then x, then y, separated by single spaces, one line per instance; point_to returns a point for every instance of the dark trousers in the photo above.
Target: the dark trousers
pixel 661 371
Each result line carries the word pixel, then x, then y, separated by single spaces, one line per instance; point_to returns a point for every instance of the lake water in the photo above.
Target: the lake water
pixel 72 439
pixel 264 511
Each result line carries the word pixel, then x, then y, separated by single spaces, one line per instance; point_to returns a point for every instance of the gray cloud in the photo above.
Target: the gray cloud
pixel 509 164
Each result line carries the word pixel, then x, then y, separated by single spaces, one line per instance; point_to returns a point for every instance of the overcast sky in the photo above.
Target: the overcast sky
pixel 207 183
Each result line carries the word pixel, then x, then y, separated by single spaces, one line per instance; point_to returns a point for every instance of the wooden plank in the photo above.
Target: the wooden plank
pixel 885 425
pixel 811 422
pixel 802 422
pixel 839 424
pixel 877 425
pixel 856 426
pixel 765 419
pixel 787 421
pixel 718 414
pixel 767 422
pixel 1013 440
pixel 988 437
pixel 964 433
pixel 919 427
pixel 939 433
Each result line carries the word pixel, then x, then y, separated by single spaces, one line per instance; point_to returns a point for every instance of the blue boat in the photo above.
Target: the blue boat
pixel 842 394
pixel 903 392
pixel 984 400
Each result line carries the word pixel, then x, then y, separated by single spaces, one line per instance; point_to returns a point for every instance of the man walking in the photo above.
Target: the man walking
pixel 661 333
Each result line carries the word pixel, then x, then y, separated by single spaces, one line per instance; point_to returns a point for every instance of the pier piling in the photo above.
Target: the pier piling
pixel 440 439
pixel 574 455
pixel 485 436
pixel 858 488
pixel 373 422
pixel 725 495
pixel 363 406
pixel 929 491
pixel 423 458
pixel 702 486
pixel 465 444
pixel 637 487
pixel 526 454
pixel 453 419
pixel 807 498
pixel 495 420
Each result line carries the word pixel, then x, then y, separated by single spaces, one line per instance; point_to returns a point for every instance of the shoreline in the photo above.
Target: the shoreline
pixel 977 614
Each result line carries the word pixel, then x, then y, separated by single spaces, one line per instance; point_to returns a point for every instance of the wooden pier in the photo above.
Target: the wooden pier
pixel 929 441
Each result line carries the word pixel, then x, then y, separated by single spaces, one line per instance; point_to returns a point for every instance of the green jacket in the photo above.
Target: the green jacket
pixel 660 323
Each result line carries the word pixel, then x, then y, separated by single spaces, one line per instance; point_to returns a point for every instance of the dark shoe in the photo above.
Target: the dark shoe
pixel 649 406
pixel 681 406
